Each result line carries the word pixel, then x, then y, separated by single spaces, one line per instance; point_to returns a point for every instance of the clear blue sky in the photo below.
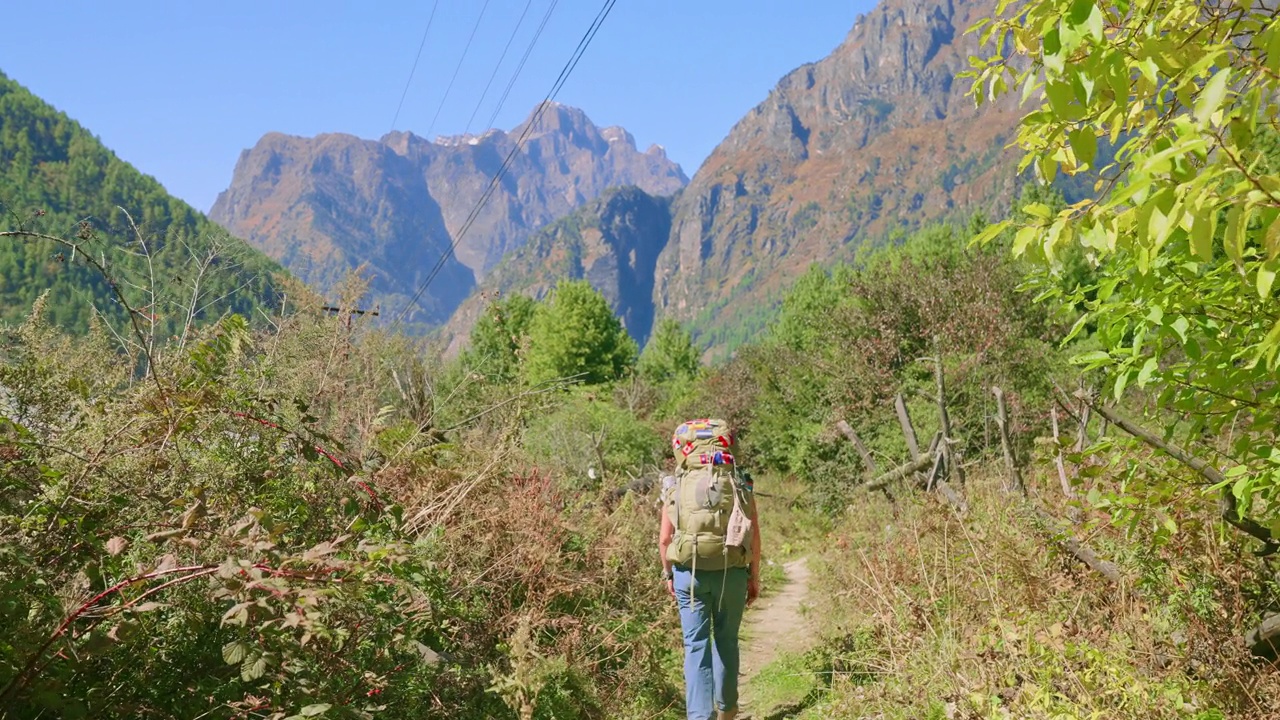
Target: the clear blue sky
pixel 180 88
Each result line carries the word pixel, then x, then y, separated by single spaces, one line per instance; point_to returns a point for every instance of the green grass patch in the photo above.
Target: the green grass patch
pixel 788 684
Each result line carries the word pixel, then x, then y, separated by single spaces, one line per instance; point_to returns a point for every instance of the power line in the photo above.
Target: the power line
pixel 514 76
pixel 414 69
pixel 498 66
pixel 465 49
pixel 578 52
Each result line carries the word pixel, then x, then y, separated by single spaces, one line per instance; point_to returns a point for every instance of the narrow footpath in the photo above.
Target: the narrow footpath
pixel 774 626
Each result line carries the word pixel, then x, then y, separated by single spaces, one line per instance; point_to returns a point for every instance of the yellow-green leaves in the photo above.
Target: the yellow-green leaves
pixel 1273 240
pixel 1266 278
pixel 1203 227
pixel 1233 240
pixel 1210 98
pixel 1272 36
pixel 1084 143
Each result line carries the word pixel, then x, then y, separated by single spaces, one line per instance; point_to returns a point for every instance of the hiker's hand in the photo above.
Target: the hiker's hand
pixel 671 587
pixel 753 589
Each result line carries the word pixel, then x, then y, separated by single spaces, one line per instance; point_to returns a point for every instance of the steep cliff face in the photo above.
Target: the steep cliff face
pixel 877 136
pixel 325 205
pixel 613 242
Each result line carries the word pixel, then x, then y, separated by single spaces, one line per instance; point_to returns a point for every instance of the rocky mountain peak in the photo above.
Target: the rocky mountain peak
pixel 876 137
pixel 324 205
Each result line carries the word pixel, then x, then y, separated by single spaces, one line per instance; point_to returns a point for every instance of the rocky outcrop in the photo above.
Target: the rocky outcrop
pixel 612 242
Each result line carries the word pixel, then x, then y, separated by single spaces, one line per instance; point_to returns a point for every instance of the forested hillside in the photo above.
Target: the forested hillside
pixel 57 179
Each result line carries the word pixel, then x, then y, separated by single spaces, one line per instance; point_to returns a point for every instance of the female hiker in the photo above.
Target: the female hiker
pixel 709 541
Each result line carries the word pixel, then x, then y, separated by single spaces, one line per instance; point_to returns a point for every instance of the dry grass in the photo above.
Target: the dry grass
pixel 933 616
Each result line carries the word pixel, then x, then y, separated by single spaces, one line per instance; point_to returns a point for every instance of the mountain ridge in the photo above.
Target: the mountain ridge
pixel 875 139
pixel 326 205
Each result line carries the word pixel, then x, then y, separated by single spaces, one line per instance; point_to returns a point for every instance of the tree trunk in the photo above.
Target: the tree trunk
pixel 1082 552
pixel 868 462
pixel 1010 461
pixel 904 419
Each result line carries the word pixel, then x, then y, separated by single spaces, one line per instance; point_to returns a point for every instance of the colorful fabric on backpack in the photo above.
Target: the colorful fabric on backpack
pixel 703 443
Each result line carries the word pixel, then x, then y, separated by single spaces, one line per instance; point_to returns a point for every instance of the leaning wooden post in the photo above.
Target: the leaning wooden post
pixel 919 463
pixel 949 454
pixel 868 463
pixel 1002 426
pixel 1082 432
pixel 904 419
pixel 909 431
pixel 1067 490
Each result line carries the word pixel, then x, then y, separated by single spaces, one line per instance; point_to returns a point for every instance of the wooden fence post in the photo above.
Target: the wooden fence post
pixel 1002 425
pixel 949 454
pixel 868 463
pixel 904 419
pixel 909 432
pixel 1067 490
pixel 1082 432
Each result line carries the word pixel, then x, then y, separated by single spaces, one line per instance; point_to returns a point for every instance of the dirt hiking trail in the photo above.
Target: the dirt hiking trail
pixel 774 626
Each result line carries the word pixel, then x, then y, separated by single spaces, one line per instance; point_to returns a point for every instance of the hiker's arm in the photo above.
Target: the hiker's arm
pixel 753 582
pixel 665 532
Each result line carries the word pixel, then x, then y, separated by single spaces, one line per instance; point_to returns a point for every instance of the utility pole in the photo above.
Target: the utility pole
pixel 375 312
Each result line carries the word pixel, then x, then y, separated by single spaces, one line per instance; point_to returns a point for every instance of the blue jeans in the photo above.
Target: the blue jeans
pixel 711 607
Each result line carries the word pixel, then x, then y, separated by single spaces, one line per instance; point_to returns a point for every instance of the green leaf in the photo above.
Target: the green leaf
pixel 1241 487
pixel 1060 97
pixel 1039 210
pixel 1203 227
pixel 1180 326
pixel 1095 358
pixel 1023 239
pixel 1079 12
pixel 1094 25
pixel 1273 50
pixel 233 652
pixel 1076 328
pixel 1272 239
pixel 1148 369
pixel 253 669
pixel 1233 240
pixel 313 710
pixel 989 234
pixel 1122 381
pixel 1266 278
pixel 1211 96
pixel 1084 143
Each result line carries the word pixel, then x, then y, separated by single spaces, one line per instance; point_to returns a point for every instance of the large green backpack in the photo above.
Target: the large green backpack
pixel 707 503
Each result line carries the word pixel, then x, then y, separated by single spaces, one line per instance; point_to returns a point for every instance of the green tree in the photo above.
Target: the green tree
pixel 498 337
pixel 574 334
pixel 1184 228
pixel 670 354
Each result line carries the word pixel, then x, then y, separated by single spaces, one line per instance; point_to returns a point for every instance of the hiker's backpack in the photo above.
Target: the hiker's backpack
pixel 708 503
